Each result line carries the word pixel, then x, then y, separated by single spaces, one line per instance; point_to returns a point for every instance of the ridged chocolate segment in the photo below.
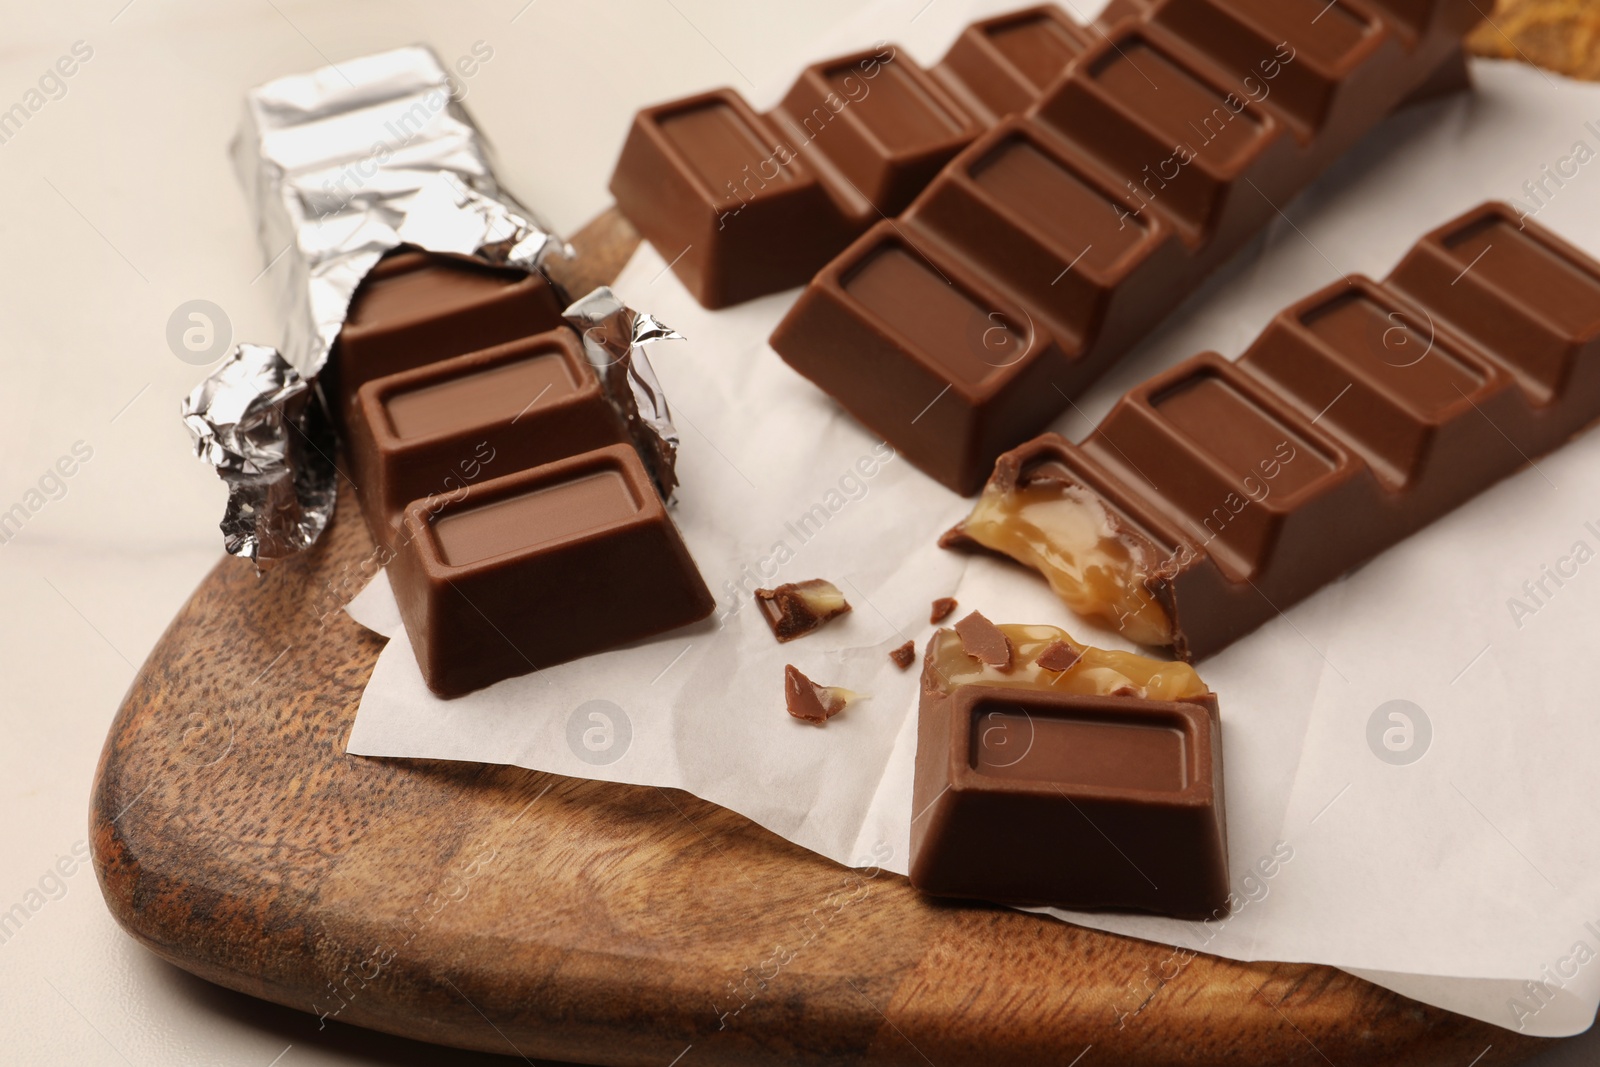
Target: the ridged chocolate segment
pixel 744 204
pixel 1361 414
pixel 1162 148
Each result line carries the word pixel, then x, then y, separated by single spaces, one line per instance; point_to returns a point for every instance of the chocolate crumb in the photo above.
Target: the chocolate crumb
pixel 1059 656
pixel 809 701
pixel 1128 691
pixel 905 655
pixel 984 641
pixel 942 609
pixel 798 608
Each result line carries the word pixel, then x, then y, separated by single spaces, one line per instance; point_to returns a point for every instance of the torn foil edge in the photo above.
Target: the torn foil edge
pixel 345 163
pixel 340 166
pixel 266 430
pixel 423 177
pixel 614 339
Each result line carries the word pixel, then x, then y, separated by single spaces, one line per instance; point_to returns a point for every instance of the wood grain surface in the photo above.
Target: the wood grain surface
pixel 536 916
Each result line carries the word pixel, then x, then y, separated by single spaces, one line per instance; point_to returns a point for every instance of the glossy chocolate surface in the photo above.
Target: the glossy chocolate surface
pixel 744 204
pixel 441 428
pixel 539 567
pixel 1361 414
pixel 1065 233
pixel 1028 793
pixel 416 308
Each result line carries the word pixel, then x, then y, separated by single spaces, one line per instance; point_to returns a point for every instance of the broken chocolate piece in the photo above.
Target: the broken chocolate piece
pixel 797 608
pixel 1100 787
pixel 814 703
pixel 942 608
pixel 1059 656
pixel 905 655
pixel 1218 494
pixel 984 641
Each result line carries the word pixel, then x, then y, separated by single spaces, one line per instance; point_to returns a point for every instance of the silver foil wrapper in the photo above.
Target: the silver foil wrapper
pixel 345 163
pixel 341 165
pixel 614 339
pixel 266 430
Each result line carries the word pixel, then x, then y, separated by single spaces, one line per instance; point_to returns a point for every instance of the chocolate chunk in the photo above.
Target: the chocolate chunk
pixel 1034 796
pixel 983 641
pixel 942 609
pixel 416 308
pixel 1059 656
pixel 797 608
pixel 450 425
pixel 539 567
pixel 811 702
pixel 905 655
pixel 1361 414
pixel 743 204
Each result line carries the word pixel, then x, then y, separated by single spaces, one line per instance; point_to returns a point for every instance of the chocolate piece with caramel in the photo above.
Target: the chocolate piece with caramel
pixel 1218 494
pixel 797 608
pixel 1096 785
pixel 810 702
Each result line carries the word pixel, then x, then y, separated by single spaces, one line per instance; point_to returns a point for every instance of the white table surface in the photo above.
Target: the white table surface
pixel 117 204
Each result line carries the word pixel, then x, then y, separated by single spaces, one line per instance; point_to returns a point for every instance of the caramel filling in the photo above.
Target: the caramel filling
pixel 1065 533
pixel 1097 672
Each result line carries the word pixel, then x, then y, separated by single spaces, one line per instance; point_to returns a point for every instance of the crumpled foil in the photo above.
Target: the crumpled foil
pixel 344 163
pixel 266 430
pixel 614 337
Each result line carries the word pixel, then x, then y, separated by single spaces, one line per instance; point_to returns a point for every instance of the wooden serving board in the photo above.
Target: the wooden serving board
pixel 498 909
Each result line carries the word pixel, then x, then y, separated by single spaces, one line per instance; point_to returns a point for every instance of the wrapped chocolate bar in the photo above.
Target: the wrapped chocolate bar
pixel 342 166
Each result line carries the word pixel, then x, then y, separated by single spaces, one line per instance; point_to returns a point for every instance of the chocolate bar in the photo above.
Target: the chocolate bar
pixel 538 567
pixel 1061 237
pixel 1091 779
pixel 416 308
pixel 744 204
pixel 442 427
pixel 1217 494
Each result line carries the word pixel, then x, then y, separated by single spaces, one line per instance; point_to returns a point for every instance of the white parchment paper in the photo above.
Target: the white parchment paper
pixel 1467 878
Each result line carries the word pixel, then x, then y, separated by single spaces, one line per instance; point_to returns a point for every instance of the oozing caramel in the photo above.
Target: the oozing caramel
pixel 1065 533
pixel 1097 672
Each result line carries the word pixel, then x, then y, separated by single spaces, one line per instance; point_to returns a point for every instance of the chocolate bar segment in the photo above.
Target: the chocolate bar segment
pixel 416 308
pixel 1162 148
pixel 539 567
pixel 441 428
pixel 1218 494
pixel 743 204
pixel 1091 780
